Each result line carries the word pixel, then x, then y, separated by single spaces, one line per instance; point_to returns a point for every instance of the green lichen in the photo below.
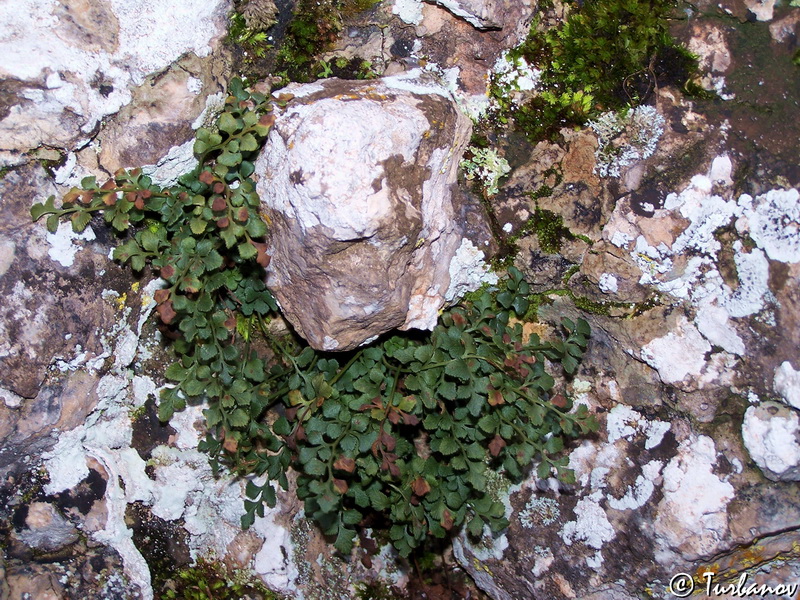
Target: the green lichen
pixel 484 165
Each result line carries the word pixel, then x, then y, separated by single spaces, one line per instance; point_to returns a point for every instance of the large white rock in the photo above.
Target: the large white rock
pixel 358 181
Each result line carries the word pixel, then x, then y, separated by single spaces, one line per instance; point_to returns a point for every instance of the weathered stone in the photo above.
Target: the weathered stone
pixel 159 122
pixel 612 271
pixel 75 62
pixel 692 518
pixel 357 178
pixel 34 582
pixel 46 529
pixel 710 44
pixel 41 290
pixel 481 14
pixel 771 432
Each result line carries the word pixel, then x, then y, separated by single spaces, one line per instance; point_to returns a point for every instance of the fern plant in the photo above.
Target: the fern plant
pixel 401 432
pixel 408 428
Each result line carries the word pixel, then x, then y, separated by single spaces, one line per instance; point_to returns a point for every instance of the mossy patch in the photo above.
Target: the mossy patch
pixel 606 55
pixel 208 579
pixel 290 46
pixel 549 230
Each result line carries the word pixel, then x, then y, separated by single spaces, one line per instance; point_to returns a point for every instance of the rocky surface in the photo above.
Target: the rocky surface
pixel 358 179
pixel 683 259
pixel 78 62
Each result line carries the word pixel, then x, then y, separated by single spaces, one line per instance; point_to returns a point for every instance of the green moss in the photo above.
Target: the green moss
pixel 209 579
pixel 137 413
pixel 628 310
pixel 253 39
pixel 312 29
pixel 549 229
pixel 591 306
pixel 607 54
pixel 570 272
pixel 375 590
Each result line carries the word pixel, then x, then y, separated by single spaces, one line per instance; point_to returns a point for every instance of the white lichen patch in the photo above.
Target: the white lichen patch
pixel 591 526
pixel 624 422
pixel 62 243
pixel 786 382
pixel 713 322
pixel 468 271
pixel 773 222
pixel 543 559
pixel 642 489
pixel 7 252
pixel 679 354
pixel 409 11
pixel 514 74
pixel 625 138
pixel 692 515
pixel 687 268
pixel 480 572
pixel 487 167
pixel 770 432
pixel 215 103
pixel 179 160
pixel 608 283
pixel 593 462
pixel 275 562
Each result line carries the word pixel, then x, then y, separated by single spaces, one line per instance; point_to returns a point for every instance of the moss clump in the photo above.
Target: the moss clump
pixel 606 55
pixel 212 580
pixel 288 44
pixel 549 229
pixel 315 27
pixel 375 590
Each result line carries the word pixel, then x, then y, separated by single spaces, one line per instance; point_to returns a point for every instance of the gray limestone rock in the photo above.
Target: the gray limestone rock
pixel 357 178
pixel 481 14
pixel 46 529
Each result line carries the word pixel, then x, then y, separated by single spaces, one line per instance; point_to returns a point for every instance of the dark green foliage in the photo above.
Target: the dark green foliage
pixel 549 229
pixel 606 55
pixel 400 433
pixel 205 238
pixel 409 427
